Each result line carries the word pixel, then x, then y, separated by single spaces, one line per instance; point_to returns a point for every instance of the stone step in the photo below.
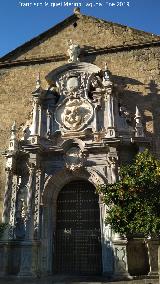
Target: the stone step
pixel 75 280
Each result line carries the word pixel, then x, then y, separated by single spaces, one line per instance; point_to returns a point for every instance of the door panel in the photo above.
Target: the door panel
pixel 78 238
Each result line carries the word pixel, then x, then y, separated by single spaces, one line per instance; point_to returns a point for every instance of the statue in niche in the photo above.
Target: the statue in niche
pixel 73 51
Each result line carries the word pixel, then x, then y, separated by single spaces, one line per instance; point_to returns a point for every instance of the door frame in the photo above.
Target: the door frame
pixel 52 187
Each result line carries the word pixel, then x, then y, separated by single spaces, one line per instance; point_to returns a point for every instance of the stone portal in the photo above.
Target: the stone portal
pixel 77 137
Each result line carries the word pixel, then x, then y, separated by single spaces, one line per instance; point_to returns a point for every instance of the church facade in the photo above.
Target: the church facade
pixel 77 134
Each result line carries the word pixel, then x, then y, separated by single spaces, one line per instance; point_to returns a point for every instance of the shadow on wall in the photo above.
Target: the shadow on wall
pixel 148 104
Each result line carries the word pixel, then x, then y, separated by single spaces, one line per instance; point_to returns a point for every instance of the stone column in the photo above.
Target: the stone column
pixel 13 207
pixel 47 240
pixel 29 213
pixel 34 128
pixel 110 111
pixel 97 100
pixel 27 246
pixel 7 197
pixel 30 247
pixel 39 120
pixel 110 114
pixel 37 197
pixel 49 124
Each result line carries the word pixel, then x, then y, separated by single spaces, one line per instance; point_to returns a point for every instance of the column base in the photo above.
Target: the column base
pixel 26 274
pixel 111 132
pixel 153 274
pixel 122 276
pixel 29 260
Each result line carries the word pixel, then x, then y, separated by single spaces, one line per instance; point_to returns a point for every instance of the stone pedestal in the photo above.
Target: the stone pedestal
pixel 153 247
pixel 137 256
pixel 3 259
pixel 29 259
pixel 120 258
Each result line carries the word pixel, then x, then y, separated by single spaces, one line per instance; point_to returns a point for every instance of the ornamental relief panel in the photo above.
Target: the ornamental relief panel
pixel 74 159
pixel 74 114
pixel 76 107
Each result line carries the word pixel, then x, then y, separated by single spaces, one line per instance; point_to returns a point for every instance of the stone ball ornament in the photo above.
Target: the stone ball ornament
pixel 73 84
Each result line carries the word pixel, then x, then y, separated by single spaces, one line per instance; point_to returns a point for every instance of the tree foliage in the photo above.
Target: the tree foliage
pixel 133 202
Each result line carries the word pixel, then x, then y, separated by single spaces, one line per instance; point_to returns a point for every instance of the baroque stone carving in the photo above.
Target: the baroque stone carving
pixel 120 259
pixel 74 159
pixel 74 114
pixel 73 51
pixel 37 203
pixel 78 84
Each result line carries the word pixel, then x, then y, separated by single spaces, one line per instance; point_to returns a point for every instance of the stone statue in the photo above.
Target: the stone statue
pixel 73 51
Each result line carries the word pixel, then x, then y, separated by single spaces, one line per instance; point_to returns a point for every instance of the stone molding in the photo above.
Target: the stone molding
pixel 55 183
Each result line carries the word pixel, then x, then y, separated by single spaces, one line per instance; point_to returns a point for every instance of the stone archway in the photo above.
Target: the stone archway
pixel 53 186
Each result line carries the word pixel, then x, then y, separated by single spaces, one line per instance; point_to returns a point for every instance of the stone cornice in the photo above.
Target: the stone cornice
pixel 63 57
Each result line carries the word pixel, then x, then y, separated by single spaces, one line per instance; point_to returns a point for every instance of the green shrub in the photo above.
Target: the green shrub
pixel 133 202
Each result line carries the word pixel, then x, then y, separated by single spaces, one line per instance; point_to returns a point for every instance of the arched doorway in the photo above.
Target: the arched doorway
pixel 77 241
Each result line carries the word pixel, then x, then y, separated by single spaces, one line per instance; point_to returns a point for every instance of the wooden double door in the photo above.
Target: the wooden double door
pixel 77 249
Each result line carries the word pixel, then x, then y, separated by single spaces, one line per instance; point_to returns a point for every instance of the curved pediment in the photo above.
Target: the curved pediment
pixel 72 68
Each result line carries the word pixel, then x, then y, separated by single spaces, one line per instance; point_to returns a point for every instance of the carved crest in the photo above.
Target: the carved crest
pixel 74 114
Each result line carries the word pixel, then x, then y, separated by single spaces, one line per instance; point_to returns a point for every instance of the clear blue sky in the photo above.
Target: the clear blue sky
pixel 19 24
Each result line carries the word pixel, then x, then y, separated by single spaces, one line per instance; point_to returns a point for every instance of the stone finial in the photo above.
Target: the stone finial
pixel 73 51
pixel 77 11
pixel 139 127
pixel 38 82
pixel 106 80
pixel 137 114
pixel 106 75
pixel 13 130
pixel 13 144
